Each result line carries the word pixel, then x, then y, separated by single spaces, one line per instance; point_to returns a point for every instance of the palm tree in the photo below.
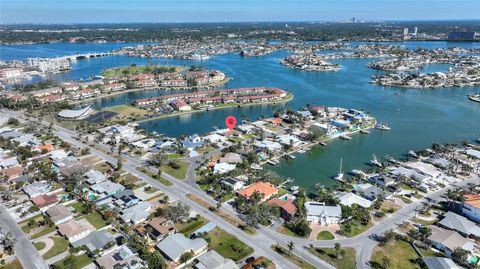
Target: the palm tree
pixel 290 247
pixel 338 250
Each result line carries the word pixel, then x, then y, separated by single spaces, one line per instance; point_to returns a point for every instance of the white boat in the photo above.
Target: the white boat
pixel 345 137
pixel 272 162
pixel 289 156
pixel 256 167
pixel 339 176
pixel 365 131
pixel 383 126
pixel 359 173
pixel 374 161
pixel 474 97
pixel 302 151
pixel 391 159
pixel 323 143
pixel 412 153
pixel 294 188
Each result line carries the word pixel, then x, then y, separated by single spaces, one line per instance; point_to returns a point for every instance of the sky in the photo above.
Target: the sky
pixel 117 11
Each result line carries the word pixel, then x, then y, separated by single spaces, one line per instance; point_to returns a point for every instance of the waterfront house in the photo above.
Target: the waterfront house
pixel 265 189
pixel 174 246
pixel 411 174
pixel 231 157
pixel 460 224
pixel 193 142
pixel 371 192
pixel 288 208
pixel 59 214
pixel 234 183
pixel 74 230
pixel 349 199
pixel 212 260
pixel 471 207
pixel 289 140
pixel 222 168
pixel 181 105
pixel 323 214
pixel 382 180
pixel 447 241
pixel 120 257
pixel 268 146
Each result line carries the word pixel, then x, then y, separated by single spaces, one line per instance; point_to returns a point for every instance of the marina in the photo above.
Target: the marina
pixel 403 109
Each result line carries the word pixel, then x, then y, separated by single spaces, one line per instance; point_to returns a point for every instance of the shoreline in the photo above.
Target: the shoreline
pixel 226 80
pixel 287 99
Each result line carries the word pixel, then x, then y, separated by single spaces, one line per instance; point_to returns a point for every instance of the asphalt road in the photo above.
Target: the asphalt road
pixel 28 255
pixel 265 237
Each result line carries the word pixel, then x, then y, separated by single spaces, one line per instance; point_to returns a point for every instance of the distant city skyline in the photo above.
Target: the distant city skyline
pixel 110 11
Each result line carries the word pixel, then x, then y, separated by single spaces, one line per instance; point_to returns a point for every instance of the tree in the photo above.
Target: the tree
pixel 158 159
pixel 177 212
pixel 290 247
pixel 186 257
pixel 8 242
pixel 386 262
pixel 459 255
pixel 338 250
pixel 155 260
pixel 70 261
pixel 13 121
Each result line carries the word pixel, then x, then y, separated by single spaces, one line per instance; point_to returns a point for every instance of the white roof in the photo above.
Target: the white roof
pixel 176 244
pixel 348 199
pixel 58 154
pixel 425 168
pixel 318 209
pixel 136 213
pixel 72 114
pixel 221 168
pixel 473 153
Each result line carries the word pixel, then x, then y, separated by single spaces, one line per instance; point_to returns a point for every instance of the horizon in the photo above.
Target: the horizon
pixel 218 11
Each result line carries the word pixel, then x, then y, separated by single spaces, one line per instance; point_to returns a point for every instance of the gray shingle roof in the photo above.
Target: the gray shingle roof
pixel 461 224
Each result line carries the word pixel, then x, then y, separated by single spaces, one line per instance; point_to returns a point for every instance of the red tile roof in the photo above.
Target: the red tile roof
pixel 286 205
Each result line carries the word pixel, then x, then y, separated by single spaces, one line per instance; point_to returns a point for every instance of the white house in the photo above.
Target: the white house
pixel 348 199
pixel 222 168
pixel 234 183
pixel 323 214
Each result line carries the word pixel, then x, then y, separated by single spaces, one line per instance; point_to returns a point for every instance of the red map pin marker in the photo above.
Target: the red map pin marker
pixel 230 121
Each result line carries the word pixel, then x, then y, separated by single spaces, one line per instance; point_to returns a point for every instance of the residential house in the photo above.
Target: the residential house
pixel 8 162
pixel 460 224
pixel 120 257
pixel 231 157
pixel 287 207
pixel 136 213
pixel 447 241
pixel 107 187
pixel 193 142
pixel 212 260
pixel 323 214
pixel 45 201
pixel 36 189
pixel 222 168
pixel 98 240
pixel 439 263
pixel 266 189
pixel 12 172
pixel 74 230
pixel 349 199
pixel 126 198
pixel 95 177
pixel 471 207
pixel 174 246
pixel 59 214
pixel 371 192
pixel 181 105
pixel 234 183
pixel 157 228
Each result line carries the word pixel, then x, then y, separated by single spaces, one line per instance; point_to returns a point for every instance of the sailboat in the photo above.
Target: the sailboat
pixel 339 176
pixel 375 161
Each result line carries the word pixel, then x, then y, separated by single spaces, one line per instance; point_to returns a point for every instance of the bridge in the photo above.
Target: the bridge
pixel 87 55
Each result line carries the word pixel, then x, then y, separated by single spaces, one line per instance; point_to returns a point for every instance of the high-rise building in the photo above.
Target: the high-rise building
pixel 415 31
pixel 405 31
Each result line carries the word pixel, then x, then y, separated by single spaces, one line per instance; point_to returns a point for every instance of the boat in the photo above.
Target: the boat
pixel 374 161
pixel 391 159
pixel 365 131
pixel 289 156
pixel 339 176
pixel 412 153
pixel 383 126
pixel 474 97
pixel 323 143
pixel 345 137
pixel 359 173
pixel 272 162
pixel 294 188
pixel 256 167
pixel 302 151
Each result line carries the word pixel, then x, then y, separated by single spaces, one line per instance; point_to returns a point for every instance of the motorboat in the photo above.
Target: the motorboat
pixel 339 176
pixel 374 161
pixel 383 126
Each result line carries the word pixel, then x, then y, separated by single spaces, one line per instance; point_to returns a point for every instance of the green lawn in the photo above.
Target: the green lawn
pixel 102 167
pixel 78 206
pixel 189 227
pixel 292 257
pixel 398 252
pixel 82 261
pixel 347 261
pixel 227 245
pixel 424 222
pixel 44 232
pixel 39 245
pixel 162 180
pixel 325 235
pixel 357 228
pixel 287 231
pixel 15 264
pixel 96 220
pixel 179 173
pixel 60 245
